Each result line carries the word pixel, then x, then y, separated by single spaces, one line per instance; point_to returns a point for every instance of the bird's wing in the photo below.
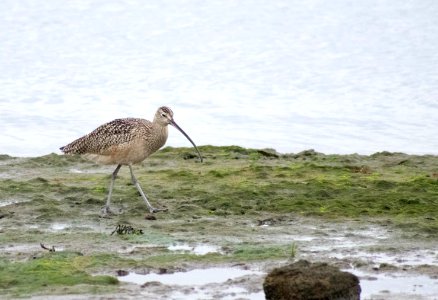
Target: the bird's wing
pixel 106 136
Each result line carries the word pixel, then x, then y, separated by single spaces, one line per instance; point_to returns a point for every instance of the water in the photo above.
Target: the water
pixel 10 201
pixel 381 286
pixel 337 76
pixel 202 282
pixel 193 277
pixel 373 285
pixel 200 249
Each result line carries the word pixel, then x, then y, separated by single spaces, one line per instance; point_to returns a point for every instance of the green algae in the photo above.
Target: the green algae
pixel 235 180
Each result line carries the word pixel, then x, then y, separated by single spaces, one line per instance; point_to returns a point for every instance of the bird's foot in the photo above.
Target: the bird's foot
pixel 155 210
pixel 106 212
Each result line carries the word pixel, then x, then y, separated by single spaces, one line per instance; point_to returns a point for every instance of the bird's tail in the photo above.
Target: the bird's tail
pixel 75 147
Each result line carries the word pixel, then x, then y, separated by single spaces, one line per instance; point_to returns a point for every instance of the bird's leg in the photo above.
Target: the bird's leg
pixel 137 185
pixel 106 209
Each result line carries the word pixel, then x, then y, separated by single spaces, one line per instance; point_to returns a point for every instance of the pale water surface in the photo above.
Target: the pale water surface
pixel 337 76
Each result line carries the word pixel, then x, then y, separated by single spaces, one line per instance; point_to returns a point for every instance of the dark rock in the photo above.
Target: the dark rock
pixel 150 217
pixel 122 272
pixel 188 155
pixel 269 221
pixel 311 281
pixel 268 153
pixel 151 284
pixel 163 271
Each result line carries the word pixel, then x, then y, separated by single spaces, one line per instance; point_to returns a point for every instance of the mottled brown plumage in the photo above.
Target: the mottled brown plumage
pixel 125 142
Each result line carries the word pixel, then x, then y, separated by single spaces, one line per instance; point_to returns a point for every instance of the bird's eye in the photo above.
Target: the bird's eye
pixel 163 115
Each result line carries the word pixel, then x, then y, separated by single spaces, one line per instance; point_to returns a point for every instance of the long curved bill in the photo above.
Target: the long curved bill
pixel 172 122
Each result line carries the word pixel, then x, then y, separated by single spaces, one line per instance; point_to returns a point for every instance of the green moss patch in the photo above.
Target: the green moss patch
pixel 47 272
pixel 235 181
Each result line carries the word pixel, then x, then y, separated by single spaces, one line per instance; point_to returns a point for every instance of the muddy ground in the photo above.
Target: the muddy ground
pixel 230 221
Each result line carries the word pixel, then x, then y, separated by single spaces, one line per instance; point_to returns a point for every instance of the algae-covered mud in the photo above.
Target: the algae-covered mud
pixel 230 220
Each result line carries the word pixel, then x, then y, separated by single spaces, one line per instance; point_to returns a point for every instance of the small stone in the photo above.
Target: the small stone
pixel 122 272
pixel 162 271
pixel 151 284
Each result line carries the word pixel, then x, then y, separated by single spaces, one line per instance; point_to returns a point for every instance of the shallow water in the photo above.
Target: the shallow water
pixel 338 76
pixel 376 286
pixel 200 249
pixel 59 226
pixel 201 282
pixel 373 285
pixel 193 277
pixel 370 246
pixel 228 294
pixel 9 201
pixel 411 258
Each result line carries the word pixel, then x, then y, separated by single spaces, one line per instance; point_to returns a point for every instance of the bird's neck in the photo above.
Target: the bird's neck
pixel 160 134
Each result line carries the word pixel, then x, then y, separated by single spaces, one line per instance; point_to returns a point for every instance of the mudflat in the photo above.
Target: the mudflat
pixel 230 220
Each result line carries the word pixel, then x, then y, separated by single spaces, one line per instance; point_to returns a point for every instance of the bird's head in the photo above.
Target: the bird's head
pixel 164 116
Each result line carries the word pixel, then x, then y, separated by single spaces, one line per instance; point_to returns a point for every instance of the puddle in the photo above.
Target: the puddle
pixel 203 283
pixel 20 248
pixel 90 171
pixel 233 293
pixel 413 258
pixel 58 226
pixel 316 239
pixel 379 285
pixel 194 277
pixel 339 243
pixel 25 248
pixel 201 249
pixel 371 232
pixel 55 227
pixel 7 202
pixel 359 245
pixel 303 239
pixel 76 171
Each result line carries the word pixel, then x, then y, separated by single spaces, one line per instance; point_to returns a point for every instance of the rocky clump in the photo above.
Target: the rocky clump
pixel 311 281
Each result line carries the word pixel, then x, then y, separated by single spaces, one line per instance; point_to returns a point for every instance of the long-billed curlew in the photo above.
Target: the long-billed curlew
pixel 126 142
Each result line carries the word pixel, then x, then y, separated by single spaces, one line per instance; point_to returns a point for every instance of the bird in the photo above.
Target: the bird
pixel 126 141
